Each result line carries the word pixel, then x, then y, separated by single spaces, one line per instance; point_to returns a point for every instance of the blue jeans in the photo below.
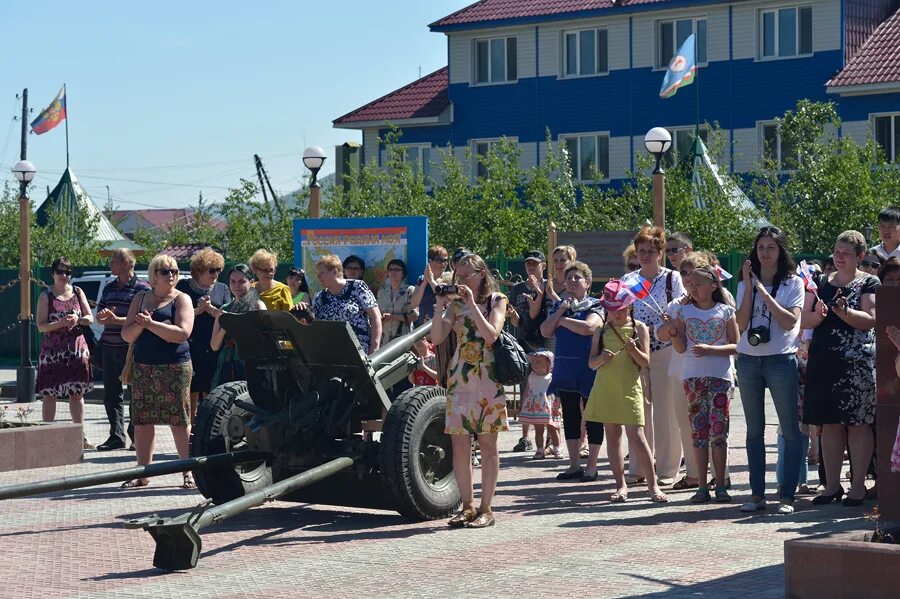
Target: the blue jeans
pixel 804 460
pixel 779 374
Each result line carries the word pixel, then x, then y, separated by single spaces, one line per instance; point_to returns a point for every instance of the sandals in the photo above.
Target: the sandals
pixel 577 474
pixel 712 482
pixel 589 478
pixel 722 495
pixel 683 484
pixel 634 480
pixel 701 496
pixel 538 455
pixel 659 498
pixel 462 518
pixel 483 520
pixel 618 497
pixel 188 481
pixel 135 483
pixel 584 451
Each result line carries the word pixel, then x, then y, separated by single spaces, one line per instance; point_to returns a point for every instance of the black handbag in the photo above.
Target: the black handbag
pixel 510 360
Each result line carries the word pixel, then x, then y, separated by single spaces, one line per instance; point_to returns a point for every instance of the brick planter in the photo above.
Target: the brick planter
pixel 40 446
pixel 843 566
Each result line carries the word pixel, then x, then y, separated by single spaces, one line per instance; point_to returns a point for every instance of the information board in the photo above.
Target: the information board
pixel 601 250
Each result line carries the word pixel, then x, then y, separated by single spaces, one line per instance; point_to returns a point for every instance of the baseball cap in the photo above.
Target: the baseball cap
pixel 534 255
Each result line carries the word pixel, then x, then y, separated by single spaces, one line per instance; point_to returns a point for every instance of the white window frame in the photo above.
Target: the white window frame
pixel 564 53
pixel 895 125
pixel 657 39
pixel 761 31
pixel 564 137
pixel 491 141
pixel 488 40
pixel 761 140
pixel 669 157
pixel 419 167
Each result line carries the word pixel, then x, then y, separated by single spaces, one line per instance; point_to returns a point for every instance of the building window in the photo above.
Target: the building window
pixel 496 60
pixel 672 34
pixel 588 156
pixel 682 143
pixel 887 134
pixel 776 151
pixel 785 32
pixel 585 52
pixel 418 156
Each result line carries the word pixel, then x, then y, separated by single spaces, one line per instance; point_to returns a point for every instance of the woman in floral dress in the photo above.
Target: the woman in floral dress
pixel 64 369
pixel 840 376
pixel 476 401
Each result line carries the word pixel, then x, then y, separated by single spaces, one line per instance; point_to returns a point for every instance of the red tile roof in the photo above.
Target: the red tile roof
pixel 425 97
pixel 877 61
pixel 486 11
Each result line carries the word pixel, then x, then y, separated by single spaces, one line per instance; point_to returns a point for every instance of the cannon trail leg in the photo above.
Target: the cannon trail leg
pixel 178 543
pixel 220 460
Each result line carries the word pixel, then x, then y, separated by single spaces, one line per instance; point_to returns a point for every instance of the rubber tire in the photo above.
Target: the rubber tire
pixel 209 437
pixel 401 436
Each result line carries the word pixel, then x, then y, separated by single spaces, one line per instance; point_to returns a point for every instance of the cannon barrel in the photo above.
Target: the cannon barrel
pixel 398 347
pixel 178 543
pixel 220 460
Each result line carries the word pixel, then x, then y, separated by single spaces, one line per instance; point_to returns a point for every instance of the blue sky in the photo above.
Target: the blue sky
pixel 166 99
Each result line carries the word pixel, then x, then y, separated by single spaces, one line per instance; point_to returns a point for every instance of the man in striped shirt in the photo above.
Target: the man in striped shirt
pixel 112 310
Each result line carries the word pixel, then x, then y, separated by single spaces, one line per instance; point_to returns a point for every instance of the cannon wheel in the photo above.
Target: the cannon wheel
pixel 416 457
pixel 220 428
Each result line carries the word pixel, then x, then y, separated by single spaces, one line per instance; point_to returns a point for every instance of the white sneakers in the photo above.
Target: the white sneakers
pixel 754 506
pixel 785 508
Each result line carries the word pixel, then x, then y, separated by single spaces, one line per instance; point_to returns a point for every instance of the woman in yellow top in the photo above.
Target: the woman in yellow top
pixel 274 294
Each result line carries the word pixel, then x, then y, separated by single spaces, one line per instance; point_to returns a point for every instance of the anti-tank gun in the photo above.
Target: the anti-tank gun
pixel 314 422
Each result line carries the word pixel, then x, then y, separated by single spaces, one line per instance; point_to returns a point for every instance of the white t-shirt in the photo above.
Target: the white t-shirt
pixel 790 295
pixel 707 327
pixel 884 254
pixel 647 310
pixel 674 311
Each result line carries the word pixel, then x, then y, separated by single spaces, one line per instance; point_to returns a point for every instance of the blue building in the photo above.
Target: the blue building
pixel 590 71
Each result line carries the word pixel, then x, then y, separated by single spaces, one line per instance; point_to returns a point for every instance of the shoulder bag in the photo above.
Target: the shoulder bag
pixel 510 360
pixel 128 370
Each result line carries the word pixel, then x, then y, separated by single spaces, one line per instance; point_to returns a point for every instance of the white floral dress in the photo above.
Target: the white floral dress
pixel 476 401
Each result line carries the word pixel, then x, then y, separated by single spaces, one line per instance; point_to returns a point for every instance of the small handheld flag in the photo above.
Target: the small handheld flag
pixel 724 275
pixel 636 285
pixel 51 116
pixel 805 272
pixel 682 69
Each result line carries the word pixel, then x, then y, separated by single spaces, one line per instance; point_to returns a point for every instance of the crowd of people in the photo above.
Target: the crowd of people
pixel 653 360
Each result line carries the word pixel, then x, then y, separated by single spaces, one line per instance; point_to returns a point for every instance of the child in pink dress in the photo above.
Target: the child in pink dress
pixel 540 408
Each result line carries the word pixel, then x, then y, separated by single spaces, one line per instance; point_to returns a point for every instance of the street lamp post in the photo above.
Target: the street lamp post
pixel 314 158
pixel 25 376
pixel 658 141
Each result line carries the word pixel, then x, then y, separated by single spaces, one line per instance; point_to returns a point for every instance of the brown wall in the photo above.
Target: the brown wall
pixel 887 411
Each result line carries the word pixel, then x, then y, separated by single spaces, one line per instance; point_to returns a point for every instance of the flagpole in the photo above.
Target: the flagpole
pixel 696 82
pixel 66 96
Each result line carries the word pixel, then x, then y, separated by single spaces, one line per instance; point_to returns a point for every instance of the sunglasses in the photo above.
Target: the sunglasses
pixel 395 270
pixel 633 266
pixel 440 260
pixel 167 272
pixel 270 271
pixel 214 271
pixel 673 251
pixel 65 273
pixel 864 264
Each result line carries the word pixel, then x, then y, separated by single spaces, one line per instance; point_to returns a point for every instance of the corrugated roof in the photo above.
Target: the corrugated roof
pixel 66 197
pixel 877 61
pixel 486 11
pixel 425 97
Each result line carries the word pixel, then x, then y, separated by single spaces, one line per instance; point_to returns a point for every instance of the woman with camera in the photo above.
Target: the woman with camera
pixel 840 375
pixel 476 401
pixel 769 301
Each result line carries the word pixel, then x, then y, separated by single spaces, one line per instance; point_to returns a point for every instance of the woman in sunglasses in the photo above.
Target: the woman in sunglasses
pixel 207 295
pixel 423 297
pixel 296 280
pixel 274 294
pixel 159 324
pixel 64 369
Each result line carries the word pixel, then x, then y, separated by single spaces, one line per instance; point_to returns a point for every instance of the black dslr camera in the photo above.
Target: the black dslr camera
pixel 445 290
pixel 758 335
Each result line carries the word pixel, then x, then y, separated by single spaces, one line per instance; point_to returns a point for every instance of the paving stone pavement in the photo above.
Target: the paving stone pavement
pixel 551 540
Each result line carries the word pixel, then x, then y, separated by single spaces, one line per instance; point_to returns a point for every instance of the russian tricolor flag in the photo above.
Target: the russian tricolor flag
pixel 636 285
pixel 805 272
pixel 51 116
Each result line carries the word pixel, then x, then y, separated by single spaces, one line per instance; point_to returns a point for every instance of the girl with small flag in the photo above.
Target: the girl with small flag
pixel 619 349
pixel 706 334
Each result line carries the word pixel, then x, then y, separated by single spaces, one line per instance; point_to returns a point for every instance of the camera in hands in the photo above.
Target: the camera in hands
pixel 758 335
pixel 446 290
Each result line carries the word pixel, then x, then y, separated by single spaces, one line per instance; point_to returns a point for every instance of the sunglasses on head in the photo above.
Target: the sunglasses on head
pixel 166 272
pixel 60 271
pixel 870 264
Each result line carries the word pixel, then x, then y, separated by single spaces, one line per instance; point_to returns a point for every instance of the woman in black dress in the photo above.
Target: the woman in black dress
pixel 840 375
pixel 207 296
